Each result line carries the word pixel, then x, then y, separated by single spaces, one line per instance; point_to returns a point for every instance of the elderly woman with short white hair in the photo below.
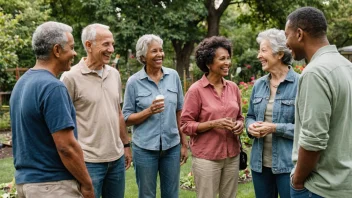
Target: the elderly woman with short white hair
pixel 270 118
pixel 152 105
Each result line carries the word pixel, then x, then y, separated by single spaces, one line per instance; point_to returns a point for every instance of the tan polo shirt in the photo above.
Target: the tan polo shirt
pixel 97 100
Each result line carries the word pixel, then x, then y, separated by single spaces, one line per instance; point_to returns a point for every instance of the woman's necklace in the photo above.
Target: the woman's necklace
pixel 275 86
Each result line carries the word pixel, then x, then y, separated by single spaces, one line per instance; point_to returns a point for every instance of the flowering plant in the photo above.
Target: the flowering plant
pixel 299 68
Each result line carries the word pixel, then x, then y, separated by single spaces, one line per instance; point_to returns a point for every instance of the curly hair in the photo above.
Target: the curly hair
pixel 206 49
pixel 277 40
pixel 310 20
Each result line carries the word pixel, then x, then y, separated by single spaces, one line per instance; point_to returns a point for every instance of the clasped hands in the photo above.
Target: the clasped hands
pixel 261 129
pixel 235 126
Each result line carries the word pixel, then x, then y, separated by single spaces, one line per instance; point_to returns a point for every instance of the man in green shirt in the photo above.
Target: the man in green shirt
pixel 323 129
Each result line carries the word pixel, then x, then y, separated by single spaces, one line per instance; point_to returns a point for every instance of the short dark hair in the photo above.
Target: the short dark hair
pixel 310 20
pixel 206 49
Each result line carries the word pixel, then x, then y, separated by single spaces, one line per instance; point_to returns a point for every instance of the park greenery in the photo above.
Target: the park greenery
pixel 181 24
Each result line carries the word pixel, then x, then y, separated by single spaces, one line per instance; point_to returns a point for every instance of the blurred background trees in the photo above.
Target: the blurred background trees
pixel 180 23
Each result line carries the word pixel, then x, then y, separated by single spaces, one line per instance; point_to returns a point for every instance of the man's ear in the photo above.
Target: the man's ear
pixel 300 34
pixel 88 45
pixel 57 50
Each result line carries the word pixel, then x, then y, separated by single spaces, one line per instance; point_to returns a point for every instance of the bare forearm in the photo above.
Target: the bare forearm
pixel 137 118
pixel 183 137
pixel 72 158
pixel 206 126
pixel 306 162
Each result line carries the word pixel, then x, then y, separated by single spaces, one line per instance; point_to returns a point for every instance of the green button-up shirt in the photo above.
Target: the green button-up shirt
pixel 323 115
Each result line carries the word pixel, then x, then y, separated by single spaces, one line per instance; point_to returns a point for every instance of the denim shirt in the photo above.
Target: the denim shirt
pixel 283 116
pixel 159 128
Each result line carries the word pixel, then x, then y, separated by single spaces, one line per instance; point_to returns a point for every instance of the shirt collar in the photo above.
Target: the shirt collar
pixel 84 68
pixel 289 77
pixel 143 73
pixel 323 50
pixel 205 82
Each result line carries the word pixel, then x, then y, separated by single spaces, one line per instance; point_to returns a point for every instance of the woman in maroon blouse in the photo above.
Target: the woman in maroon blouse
pixel 212 117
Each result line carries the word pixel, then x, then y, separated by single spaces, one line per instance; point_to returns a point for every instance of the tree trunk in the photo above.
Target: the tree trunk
pixel 183 52
pixel 213 24
pixel 214 16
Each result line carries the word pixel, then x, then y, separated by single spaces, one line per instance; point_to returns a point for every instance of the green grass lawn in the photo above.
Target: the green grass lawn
pixel 7 170
pixel 244 190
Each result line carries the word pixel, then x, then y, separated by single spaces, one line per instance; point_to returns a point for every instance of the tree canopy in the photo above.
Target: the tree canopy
pixel 180 23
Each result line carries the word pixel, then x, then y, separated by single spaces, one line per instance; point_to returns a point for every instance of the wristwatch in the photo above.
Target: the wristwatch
pixel 127 145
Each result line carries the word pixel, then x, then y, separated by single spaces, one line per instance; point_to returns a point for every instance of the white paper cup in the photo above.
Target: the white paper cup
pixel 159 97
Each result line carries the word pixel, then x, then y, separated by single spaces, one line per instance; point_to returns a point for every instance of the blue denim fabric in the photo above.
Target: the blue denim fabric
pixel 140 92
pixel 148 163
pixel 283 116
pixel 108 178
pixel 269 185
pixel 303 193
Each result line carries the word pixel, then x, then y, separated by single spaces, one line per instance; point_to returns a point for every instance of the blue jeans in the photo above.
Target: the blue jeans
pixel 108 178
pixel 269 185
pixel 303 193
pixel 148 163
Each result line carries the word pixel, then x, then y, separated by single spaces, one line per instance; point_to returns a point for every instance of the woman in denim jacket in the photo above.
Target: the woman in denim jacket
pixel 270 118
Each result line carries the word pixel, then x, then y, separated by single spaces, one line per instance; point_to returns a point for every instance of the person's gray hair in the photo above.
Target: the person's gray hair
pixel 46 36
pixel 277 40
pixel 89 33
pixel 143 43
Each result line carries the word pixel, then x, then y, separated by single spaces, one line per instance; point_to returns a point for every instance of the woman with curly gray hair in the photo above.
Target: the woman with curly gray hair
pixel 153 103
pixel 213 119
pixel 270 118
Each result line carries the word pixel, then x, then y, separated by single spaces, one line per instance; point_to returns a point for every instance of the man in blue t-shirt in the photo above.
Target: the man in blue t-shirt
pixel 48 159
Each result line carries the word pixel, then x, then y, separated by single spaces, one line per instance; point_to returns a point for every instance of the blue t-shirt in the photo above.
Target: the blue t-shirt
pixel 39 106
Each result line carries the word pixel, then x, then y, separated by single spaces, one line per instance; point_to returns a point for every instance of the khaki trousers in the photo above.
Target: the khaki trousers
pixel 216 176
pixel 57 189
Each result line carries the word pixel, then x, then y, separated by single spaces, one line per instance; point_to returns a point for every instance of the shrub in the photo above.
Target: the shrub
pixel 5 121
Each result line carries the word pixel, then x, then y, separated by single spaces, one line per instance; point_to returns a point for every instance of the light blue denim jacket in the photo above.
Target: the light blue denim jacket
pixel 283 116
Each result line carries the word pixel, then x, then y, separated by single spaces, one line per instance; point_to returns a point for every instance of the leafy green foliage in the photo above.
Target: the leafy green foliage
pixel 9 44
pixel 5 121
pixel 18 20
pixel 339 17
pixel 8 190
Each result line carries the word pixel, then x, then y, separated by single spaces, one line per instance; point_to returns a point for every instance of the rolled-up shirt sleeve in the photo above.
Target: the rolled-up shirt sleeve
pixel 314 112
pixel 190 113
pixel 129 105
pixel 180 94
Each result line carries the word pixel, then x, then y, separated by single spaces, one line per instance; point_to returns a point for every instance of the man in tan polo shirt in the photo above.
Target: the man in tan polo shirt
pixel 95 89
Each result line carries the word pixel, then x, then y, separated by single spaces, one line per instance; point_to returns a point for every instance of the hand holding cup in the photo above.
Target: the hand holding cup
pixel 158 104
